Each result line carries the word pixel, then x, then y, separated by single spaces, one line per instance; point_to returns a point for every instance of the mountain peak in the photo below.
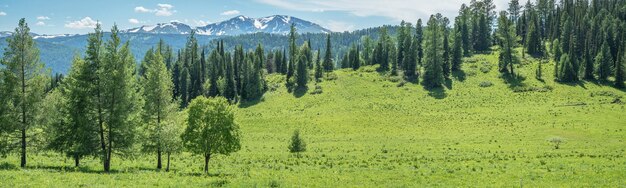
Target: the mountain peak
pixel 275 24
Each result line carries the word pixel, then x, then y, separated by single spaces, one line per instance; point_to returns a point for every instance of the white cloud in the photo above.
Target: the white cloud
pixel 230 13
pixel 133 21
pixel 162 10
pixel 43 18
pixel 165 6
pixel 338 26
pixel 3 13
pixel 84 23
pixel 397 10
pixel 40 23
pixel 142 9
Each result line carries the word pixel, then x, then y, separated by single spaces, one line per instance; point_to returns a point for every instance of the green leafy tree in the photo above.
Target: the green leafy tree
pixel 211 129
pixel 24 83
pixel 506 35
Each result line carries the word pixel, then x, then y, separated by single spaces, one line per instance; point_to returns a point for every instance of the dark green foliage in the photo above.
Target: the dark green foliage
pixel 506 35
pixel 456 58
pixel 297 144
pixel 533 37
pixel 620 70
pixel 419 39
pixel 433 52
pixel 293 52
pixel 603 63
pixel 302 71
pixel 319 70
pixel 328 61
pixel 567 72
pixel 445 66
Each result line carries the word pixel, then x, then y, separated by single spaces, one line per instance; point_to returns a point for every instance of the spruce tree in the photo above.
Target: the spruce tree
pixel 302 71
pixel 293 52
pixel 506 34
pixel 419 39
pixel 603 62
pixel 457 47
pixel 446 49
pixel 319 70
pixel 433 53
pixel 230 90
pixel 214 59
pixel 620 70
pixel 328 61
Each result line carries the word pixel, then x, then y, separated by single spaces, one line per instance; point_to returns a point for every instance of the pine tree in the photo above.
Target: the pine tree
pixel 158 105
pixel 293 52
pixel 457 47
pixel 533 36
pixel 25 77
pixel 419 39
pixel 319 70
pixel 328 61
pixel 433 53
pixel 506 33
pixel 514 10
pixel 230 90
pixel 446 49
pixel 567 72
pixel 215 60
pixel 620 70
pixel 302 71
pixel 603 62
pixel 184 87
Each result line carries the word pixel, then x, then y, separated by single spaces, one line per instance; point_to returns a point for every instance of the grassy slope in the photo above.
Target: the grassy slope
pixel 364 131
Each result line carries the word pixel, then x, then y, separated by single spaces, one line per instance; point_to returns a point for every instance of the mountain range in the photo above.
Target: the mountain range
pixel 276 24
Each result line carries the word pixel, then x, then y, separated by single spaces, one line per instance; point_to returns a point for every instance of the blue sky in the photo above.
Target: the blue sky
pixel 79 16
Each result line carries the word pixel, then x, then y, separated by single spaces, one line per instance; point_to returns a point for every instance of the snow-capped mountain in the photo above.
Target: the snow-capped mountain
pixel 162 28
pixel 277 24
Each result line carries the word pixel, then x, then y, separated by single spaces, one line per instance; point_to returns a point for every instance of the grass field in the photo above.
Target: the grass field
pixel 364 130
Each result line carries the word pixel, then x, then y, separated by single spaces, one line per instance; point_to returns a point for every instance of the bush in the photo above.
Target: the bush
pixel 485 67
pixel 395 79
pixel 401 84
pixel 297 144
pixel 485 84
pixel 330 76
pixel 318 90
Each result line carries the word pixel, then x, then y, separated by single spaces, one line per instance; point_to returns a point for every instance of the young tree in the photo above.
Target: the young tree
pixel 211 129
pixel 297 144
pixel 158 104
pixel 25 82
pixel 433 53
pixel 328 61
pixel 171 141
pixel 120 100
pixel 319 71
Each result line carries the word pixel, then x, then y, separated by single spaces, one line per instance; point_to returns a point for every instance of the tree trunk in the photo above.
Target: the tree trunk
pixel 76 160
pixel 207 157
pixel 23 157
pixel 167 169
pixel 159 166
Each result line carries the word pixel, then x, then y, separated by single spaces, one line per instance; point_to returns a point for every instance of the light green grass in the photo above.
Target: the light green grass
pixel 364 131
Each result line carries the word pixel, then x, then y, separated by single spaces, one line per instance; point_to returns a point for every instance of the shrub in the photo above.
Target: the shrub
pixel 318 90
pixel 485 84
pixel 330 76
pixel 556 141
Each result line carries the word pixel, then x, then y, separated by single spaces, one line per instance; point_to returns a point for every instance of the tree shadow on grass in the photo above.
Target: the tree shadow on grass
pixel 251 102
pixel 437 92
pixel 7 166
pixel 202 174
pixel 300 91
pixel 448 83
pixel 514 80
pixel 459 75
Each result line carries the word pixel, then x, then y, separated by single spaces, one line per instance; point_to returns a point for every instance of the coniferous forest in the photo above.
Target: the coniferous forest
pixel 526 95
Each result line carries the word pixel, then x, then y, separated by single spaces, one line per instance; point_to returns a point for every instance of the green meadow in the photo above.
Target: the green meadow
pixel 367 129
